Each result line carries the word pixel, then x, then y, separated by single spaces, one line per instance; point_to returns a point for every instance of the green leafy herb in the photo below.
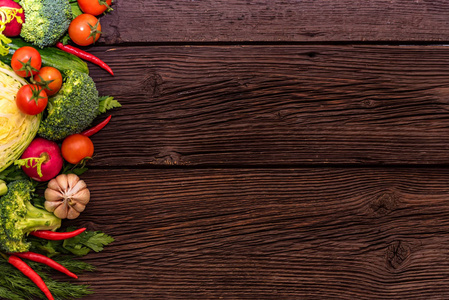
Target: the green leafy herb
pixel 107 103
pixel 79 245
pixel 14 285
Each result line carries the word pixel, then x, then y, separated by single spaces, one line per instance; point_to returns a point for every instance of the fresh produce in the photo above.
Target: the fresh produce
pixel 30 273
pixel 26 61
pixel 51 56
pixel 31 99
pixel 66 196
pixel 13 12
pixel 50 79
pixel 17 130
pixel 95 7
pixel 96 128
pixel 77 147
pixel 18 217
pixel 45 260
pixel 46 21
pixel 57 236
pixel 3 187
pixel 42 160
pixel 41 74
pixel 72 109
pixel 9 16
pixel 84 55
pixel 85 30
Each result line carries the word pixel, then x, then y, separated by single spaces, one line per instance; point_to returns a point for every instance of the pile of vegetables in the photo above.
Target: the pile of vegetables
pixel 48 103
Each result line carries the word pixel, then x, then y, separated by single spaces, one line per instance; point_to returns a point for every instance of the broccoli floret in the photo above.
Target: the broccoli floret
pixel 18 217
pixel 46 21
pixel 72 109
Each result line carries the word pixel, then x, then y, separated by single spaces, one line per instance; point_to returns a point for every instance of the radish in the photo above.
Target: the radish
pixel 42 160
pixel 11 10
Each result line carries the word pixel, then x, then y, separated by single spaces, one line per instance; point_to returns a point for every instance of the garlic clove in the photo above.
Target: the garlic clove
pixel 61 211
pixel 80 185
pixel 62 182
pixel 72 180
pixel 52 195
pixel 72 214
pixel 82 196
pixel 53 184
pixel 51 205
pixel 79 207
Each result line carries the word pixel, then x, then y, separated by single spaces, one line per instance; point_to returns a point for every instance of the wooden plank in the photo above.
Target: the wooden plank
pixel 163 21
pixel 322 233
pixel 275 105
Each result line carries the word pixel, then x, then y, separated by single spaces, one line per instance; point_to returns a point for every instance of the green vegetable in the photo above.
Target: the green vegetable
pixel 46 21
pixel 51 56
pixel 18 217
pixel 72 109
pixel 3 188
pixel 17 130
pixel 107 103
pixel 80 245
pixel 14 285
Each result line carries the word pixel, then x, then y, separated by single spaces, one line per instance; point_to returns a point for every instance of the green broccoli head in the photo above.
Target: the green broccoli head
pixel 18 217
pixel 46 21
pixel 72 109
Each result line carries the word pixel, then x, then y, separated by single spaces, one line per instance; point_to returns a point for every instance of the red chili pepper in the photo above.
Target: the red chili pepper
pixel 96 128
pixel 56 236
pixel 31 274
pixel 84 55
pixel 45 260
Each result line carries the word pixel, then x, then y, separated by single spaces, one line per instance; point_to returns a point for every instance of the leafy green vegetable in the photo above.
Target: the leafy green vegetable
pixel 80 245
pixel 107 103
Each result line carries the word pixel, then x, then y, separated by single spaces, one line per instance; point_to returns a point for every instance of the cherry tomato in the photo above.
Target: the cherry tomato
pixel 50 79
pixel 26 61
pixel 85 30
pixel 94 7
pixel 77 147
pixel 31 99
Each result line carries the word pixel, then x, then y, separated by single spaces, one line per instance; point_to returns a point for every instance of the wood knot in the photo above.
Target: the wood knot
pixel 152 85
pixel 385 203
pixel 397 254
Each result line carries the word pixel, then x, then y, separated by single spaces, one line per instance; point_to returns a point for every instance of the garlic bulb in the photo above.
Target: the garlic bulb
pixel 66 196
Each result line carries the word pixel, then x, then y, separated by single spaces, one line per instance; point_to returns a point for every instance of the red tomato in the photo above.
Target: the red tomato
pixel 94 7
pixel 31 99
pixel 77 147
pixel 50 79
pixel 26 61
pixel 85 30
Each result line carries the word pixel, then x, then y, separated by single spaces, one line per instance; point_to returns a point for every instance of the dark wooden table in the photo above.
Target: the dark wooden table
pixel 273 149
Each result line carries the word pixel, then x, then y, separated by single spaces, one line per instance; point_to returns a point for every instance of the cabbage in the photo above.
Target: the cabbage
pixel 17 129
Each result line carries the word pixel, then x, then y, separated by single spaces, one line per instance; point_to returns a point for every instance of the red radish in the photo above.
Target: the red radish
pixel 14 27
pixel 42 160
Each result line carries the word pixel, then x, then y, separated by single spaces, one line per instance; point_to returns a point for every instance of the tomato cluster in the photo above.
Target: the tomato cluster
pixel 85 29
pixel 32 98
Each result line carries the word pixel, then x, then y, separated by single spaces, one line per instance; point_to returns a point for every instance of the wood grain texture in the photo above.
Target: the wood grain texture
pixel 362 233
pixel 275 105
pixel 276 21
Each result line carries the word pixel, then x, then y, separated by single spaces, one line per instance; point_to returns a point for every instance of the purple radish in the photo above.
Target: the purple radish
pixel 14 27
pixel 42 160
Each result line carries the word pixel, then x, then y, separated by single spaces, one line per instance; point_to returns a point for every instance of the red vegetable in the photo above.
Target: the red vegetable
pixel 45 260
pixel 31 274
pixel 14 27
pixel 56 236
pixel 96 128
pixel 84 55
